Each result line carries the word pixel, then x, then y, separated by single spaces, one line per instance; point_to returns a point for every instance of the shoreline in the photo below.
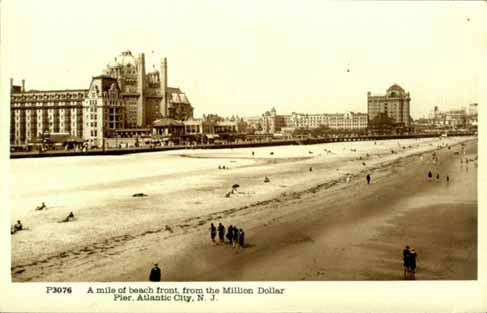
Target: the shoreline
pixel 260 213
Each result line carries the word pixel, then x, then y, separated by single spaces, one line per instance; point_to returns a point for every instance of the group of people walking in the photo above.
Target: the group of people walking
pixel 409 257
pixel 235 236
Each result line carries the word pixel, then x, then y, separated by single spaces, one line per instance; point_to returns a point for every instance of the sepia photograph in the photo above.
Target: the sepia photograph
pixel 242 141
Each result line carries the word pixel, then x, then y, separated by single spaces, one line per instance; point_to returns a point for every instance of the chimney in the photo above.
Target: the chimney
pixel 163 79
pixel 23 85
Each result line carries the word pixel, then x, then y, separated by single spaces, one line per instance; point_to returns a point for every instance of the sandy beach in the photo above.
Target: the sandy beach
pixel 302 225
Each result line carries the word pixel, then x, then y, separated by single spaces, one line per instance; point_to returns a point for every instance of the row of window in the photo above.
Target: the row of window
pixel 49 97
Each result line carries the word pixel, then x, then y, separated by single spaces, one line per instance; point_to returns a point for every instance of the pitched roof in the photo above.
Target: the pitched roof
pixel 165 122
pixel 176 95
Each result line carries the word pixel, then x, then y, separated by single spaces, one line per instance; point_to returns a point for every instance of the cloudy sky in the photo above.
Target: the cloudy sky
pixel 245 57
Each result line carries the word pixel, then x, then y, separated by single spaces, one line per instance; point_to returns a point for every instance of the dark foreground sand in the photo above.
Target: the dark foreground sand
pixel 349 231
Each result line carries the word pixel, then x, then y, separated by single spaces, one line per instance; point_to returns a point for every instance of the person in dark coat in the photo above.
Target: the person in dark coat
pixel 213 233
pixel 368 178
pixel 430 175
pixel 230 234
pixel 221 233
pixel 241 239
pixel 447 179
pixel 412 263
pixel 235 236
pixel 155 273
pixel 406 260
pixel 438 176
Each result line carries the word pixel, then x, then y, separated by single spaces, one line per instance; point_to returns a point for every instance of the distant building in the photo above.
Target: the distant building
pixel 254 123
pixel 38 112
pixel 273 123
pixel 146 95
pixel 455 118
pixel 472 117
pixel 395 104
pixel 338 121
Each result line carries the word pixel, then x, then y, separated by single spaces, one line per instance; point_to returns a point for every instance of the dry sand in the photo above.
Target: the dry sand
pixel 301 226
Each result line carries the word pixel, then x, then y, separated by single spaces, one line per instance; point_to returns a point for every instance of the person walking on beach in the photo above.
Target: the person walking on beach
pixel 447 178
pixel 221 233
pixel 155 273
pixel 213 233
pixel 235 236
pixel 438 176
pixel 412 263
pixel 230 234
pixel 430 175
pixel 406 260
pixel 368 179
pixel 241 239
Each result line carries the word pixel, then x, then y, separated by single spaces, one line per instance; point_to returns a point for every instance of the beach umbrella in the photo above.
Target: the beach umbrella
pixel 235 186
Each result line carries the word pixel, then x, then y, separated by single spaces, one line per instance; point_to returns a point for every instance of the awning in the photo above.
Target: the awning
pixel 212 136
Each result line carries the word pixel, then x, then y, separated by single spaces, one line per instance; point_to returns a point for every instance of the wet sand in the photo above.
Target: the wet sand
pixel 356 232
pixel 326 229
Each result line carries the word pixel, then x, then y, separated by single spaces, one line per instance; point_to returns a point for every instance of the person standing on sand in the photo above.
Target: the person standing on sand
pixel 241 239
pixel 447 178
pixel 368 179
pixel 213 233
pixel 412 263
pixel 438 176
pixel 230 234
pixel 221 233
pixel 406 260
pixel 430 175
pixel 235 236
pixel 155 273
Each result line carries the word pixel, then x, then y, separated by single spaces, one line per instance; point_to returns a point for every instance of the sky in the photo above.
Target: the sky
pixel 245 57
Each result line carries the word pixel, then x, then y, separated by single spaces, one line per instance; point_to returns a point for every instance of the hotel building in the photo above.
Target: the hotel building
pixel 125 96
pixel 394 104
pixel 147 96
pixel 36 112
